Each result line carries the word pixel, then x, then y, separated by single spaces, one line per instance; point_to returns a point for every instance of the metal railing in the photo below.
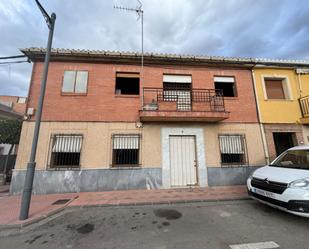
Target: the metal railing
pixel 304 105
pixel 159 99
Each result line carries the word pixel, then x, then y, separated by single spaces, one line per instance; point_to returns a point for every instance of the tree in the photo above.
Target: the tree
pixel 9 134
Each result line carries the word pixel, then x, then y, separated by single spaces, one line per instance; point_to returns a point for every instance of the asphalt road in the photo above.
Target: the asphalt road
pixel 198 225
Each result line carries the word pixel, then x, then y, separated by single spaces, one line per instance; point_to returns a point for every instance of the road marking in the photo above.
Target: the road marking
pixel 260 245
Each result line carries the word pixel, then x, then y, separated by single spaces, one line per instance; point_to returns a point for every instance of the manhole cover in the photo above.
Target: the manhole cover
pixel 60 202
pixel 169 214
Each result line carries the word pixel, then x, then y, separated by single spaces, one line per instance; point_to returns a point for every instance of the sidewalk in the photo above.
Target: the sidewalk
pixel 4 190
pixel 41 207
pixel 44 205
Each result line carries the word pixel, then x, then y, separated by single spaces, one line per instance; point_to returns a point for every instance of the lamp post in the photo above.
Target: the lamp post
pixel 27 191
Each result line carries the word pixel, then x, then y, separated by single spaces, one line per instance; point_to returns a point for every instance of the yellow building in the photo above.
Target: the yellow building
pixel 279 92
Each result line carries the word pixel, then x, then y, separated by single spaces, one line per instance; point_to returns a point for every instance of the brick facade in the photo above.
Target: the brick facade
pixel 101 104
pixel 270 128
pixel 17 107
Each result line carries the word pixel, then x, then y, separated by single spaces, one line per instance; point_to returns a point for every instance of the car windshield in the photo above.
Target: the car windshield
pixel 297 159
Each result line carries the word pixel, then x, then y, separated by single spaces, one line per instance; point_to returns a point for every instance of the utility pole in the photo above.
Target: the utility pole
pixel 27 191
pixel 138 10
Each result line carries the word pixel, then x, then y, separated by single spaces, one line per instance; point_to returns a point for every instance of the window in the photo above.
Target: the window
pixel 233 149
pixel 75 82
pixel 227 85
pixel 276 88
pixel 65 150
pixel 21 100
pixel 126 150
pixel 127 84
pixel 178 88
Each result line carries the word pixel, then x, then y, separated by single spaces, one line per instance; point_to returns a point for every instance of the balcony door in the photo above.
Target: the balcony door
pixel 177 88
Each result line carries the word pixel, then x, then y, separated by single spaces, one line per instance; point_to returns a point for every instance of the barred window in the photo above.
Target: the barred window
pixel 75 82
pixel 126 150
pixel 233 150
pixel 65 150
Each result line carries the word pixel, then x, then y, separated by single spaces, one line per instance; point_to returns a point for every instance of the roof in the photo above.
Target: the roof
pixel 7 113
pixel 37 54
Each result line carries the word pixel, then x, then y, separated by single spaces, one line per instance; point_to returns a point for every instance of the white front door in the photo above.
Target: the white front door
pixel 183 161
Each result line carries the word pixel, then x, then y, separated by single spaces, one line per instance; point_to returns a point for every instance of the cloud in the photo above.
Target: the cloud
pixel 249 28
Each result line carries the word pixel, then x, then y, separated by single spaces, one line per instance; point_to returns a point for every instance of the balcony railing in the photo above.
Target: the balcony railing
pixel 197 104
pixel 304 106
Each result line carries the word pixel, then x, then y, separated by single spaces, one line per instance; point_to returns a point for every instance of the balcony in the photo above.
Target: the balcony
pixel 196 105
pixel 304 108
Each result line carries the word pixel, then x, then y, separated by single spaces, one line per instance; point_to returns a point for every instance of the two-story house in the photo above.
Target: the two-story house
pixel 109 124
pixel 279 86
pixel 11 107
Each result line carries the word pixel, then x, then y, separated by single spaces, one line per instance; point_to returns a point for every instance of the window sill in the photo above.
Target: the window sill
pixel 126 96
pixel 280 100
pixel 234 165
pixel 73 94
pixel 124 167
pixel 63 169
pixel 231 98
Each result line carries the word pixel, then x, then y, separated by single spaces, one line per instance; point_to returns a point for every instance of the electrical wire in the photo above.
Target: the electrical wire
pixel 13 62
pixel 12 57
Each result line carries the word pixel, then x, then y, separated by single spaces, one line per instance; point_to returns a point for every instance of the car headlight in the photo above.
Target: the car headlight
pixel 302 183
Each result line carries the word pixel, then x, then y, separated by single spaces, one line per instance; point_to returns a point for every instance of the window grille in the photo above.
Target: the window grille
pixel 65 151
pixel 178 92
pixel 233 150
pixel 126 150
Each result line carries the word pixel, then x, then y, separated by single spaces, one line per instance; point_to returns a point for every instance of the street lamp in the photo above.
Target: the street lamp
pixel 27 191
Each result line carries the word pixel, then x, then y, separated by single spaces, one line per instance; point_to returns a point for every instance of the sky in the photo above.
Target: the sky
pixel 277 29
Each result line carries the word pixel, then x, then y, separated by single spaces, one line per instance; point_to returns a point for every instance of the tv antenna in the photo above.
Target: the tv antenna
pixel 140 13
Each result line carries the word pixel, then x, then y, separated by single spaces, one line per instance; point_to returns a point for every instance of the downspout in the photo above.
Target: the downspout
pixel 300 89
pixel 265 147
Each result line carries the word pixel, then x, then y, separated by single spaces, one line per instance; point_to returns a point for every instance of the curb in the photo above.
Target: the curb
pixel 133 204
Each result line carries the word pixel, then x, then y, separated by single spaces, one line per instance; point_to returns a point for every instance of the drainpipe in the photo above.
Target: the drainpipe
pixel 259 119
pixel 299 83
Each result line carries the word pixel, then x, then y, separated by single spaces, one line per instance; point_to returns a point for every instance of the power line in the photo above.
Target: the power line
pixel 12 57
pixel 13 62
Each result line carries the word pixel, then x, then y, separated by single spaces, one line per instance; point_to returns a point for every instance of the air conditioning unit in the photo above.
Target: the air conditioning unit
pixel 30 111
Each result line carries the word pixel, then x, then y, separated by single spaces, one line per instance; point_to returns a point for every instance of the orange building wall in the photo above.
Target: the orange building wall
pixel 101 103
pixel 17 107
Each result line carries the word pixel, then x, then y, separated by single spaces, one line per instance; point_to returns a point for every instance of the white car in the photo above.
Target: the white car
pixel 284 183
